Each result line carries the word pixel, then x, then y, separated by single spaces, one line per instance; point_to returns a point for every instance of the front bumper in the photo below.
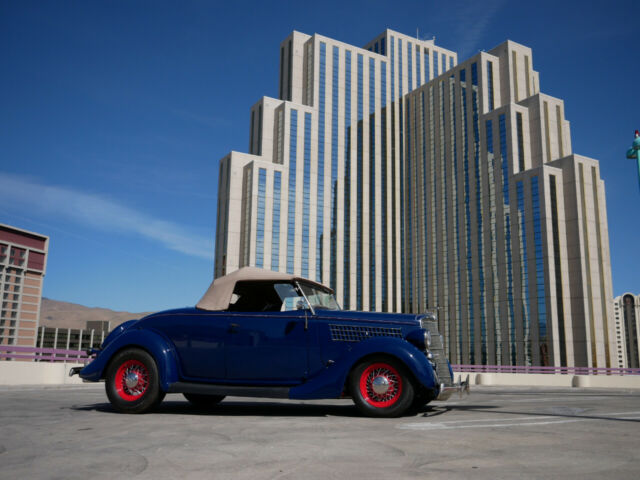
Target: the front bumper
pixel 447 390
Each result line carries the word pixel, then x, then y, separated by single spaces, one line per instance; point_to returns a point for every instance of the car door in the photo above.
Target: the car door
pixel 268 347
pixel 199 339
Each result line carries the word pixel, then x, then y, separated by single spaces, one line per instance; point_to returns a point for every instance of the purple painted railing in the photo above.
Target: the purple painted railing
pixel 43 354
pixel 80 356
pixel 548 370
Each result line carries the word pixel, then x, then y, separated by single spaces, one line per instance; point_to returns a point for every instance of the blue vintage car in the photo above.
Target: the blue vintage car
pixel 257 333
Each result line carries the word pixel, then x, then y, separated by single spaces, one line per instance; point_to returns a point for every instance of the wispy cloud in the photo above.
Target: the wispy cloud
pixel 98 212
pixel 470 20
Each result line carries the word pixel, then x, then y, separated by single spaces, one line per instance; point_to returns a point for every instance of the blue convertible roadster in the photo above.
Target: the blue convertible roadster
pixel 258 333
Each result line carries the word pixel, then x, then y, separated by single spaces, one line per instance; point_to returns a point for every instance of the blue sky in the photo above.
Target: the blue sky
pixel 114 115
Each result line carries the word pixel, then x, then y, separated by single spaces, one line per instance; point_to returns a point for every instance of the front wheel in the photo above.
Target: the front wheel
pixel 380 387
pixel 132 382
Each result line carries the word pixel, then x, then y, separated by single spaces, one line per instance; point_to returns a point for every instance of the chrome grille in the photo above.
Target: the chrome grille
pixel 355 333
pixel 437 349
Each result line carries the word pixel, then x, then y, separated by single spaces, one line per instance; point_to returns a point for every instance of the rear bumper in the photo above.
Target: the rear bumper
pixel 447 390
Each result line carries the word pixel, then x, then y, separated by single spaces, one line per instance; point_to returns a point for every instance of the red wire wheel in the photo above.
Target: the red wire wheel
pixel 380 385
pixel 132 380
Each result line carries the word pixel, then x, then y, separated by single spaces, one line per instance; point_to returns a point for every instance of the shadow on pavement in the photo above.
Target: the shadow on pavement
pixel 240 408
pixel 276 409
pixel 546 413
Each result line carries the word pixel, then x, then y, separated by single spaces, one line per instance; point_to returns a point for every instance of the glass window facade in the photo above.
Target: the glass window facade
pixel 401 174
pixel 490 84
pixel 410 64
pixel 524 274
pixel 291 215
pixel 540 282
pixel 383 183
pixel 436 70
pixel 359 183
pixel 418 69
pixel 408 213
pixel 306 194
pixel 347 182
pixel 427 70
pixel 262 188
pixel 372 183
pixel 520 142
pixel 558 268
pixel 394 237
pixel 479 218
pixel 275 229
pixel 494 292
pixel 456 210
pixel 335 89
pixel 507 238
pixel 465 340
pixel 320 178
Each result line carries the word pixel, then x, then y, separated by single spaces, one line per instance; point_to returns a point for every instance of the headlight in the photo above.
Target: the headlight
pixel 427 339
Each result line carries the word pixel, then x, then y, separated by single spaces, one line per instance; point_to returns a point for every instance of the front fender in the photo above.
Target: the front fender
pixel 160 349
pixel 330 382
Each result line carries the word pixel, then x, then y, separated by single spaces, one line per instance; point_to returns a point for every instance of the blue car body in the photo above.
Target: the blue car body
pixel 270 349
pixel 267 334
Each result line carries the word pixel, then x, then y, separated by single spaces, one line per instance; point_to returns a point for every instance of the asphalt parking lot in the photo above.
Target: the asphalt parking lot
pixel 72 432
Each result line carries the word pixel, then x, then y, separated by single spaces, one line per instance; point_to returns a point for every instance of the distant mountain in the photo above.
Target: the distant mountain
pixel 55 313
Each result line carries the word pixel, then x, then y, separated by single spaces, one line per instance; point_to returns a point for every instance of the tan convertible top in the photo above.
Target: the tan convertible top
pixel 218 296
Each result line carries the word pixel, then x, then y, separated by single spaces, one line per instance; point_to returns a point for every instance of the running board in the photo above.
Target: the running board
pixel 229 390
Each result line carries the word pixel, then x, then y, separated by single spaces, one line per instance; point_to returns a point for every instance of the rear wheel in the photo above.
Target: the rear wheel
pixel 132 382
pixel 380 387
pixel 200 400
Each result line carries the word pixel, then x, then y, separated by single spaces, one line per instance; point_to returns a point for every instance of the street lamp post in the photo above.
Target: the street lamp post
pixel 634 152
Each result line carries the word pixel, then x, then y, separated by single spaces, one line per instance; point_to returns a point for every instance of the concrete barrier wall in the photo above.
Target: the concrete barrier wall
pixel 37 373
pixel 40 373
pixel 549 380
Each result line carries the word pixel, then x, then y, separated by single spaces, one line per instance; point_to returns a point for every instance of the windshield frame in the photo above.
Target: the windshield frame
pixel 315 290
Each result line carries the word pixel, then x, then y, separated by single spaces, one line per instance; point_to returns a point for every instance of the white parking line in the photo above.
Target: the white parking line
pixel 535 420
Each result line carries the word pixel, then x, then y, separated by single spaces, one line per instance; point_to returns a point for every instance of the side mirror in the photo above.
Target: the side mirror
pixel 301 305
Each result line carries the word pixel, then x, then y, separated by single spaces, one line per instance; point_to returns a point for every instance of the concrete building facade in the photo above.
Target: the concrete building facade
pixel 71 338
pixel 409 182
pixel 23 261
pixel 506 230
pixel 626 309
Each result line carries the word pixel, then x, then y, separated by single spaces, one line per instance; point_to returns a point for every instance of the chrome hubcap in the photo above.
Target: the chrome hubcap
pixel 380 385
pixel 131 380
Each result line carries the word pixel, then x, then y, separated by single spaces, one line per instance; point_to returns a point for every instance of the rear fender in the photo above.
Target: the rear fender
pixel 160 349
pixel 330 382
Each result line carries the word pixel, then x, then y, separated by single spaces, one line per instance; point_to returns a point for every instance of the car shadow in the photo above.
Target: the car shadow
pixel 239 408
pixel 435 410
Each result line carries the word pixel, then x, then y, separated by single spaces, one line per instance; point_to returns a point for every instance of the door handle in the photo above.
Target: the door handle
pixel 233 327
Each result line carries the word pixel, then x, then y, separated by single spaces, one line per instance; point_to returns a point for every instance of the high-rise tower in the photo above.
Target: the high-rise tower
pixel 407 181
pixel 626 310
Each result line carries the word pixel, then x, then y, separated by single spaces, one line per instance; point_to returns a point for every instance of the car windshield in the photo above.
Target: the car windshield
pixel 320 298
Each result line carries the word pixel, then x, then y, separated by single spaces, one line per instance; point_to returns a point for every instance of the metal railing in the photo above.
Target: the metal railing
pixel 13 352
pixel 547 370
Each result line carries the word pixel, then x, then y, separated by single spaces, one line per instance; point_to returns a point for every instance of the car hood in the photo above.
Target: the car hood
pixel 338 315
pixel 370 317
